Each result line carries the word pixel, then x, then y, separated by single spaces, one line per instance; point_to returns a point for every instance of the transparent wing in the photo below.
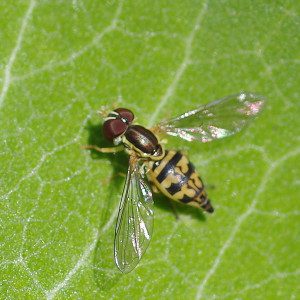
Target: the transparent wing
pixel 135 220
pixel 215 120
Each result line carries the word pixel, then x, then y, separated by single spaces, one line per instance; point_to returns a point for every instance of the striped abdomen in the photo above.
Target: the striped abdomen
pixel 175 176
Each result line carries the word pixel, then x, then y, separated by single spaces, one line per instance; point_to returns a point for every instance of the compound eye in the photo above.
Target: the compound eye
pixel 125 114
pixel 113 128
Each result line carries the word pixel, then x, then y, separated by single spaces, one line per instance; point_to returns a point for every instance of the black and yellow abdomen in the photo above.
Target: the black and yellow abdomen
pixel 175 176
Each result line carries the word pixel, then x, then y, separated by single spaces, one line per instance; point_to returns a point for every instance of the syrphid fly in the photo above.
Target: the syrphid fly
pixel 169 172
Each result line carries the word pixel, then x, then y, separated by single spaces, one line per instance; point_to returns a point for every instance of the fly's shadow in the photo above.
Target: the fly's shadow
pixel 106 273
pixel 178 209
pixel 119 161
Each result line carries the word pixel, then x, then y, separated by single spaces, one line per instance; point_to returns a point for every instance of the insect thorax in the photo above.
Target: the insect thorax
pixel 142 141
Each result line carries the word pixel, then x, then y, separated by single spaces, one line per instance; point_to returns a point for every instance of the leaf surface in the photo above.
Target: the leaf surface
pixel 60 61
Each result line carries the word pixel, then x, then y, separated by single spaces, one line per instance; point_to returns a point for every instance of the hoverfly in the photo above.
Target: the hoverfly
pixel 168 172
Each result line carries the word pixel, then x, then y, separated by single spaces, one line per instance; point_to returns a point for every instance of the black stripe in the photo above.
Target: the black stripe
pixel 186 199
pixel 170 165
pixel 190 171
pixel 174 188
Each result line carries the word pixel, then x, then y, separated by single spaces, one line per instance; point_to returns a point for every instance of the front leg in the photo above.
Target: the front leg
pixel 104 150
pixel 104 110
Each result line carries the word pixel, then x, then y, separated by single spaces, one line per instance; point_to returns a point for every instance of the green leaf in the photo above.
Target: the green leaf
pixel 60 61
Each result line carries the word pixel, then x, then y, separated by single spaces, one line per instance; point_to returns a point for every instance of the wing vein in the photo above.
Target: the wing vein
pixel 135 214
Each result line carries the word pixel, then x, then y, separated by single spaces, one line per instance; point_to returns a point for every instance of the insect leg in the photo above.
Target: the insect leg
pixel 104 150
pixel 105 110
pixel 173 209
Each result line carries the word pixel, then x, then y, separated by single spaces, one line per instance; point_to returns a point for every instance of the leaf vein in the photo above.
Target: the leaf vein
pixel 17 48
pixel 241 220
pixel 183 65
